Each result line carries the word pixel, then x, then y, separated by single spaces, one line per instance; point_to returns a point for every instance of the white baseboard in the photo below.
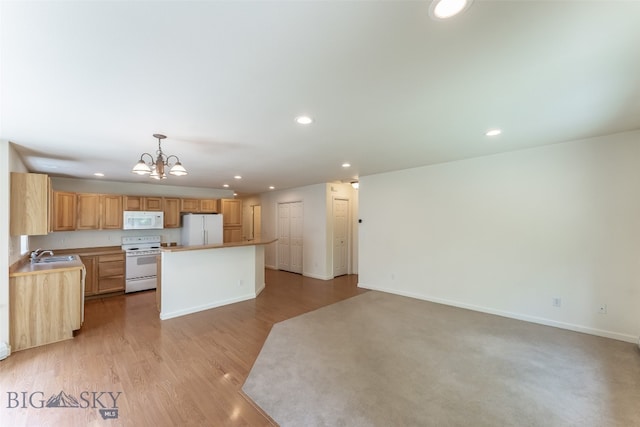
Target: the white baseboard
pixel 317 276
pixel 533 319
pixel 259 290
pixel 178 313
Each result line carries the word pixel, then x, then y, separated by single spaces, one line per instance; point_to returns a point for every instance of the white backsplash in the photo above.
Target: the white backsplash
pixel 97 238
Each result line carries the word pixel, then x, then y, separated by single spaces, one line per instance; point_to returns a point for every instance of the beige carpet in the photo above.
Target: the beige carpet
pixel 384 360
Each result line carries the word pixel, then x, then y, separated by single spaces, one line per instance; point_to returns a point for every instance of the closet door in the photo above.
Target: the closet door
pixel 290 241
pixel 284 254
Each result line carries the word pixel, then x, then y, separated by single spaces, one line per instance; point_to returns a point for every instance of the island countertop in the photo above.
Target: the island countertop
pixel 217 246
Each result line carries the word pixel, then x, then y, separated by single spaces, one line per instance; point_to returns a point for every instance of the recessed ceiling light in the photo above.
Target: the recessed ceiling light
pixel 346 165
pixel 225 185
pixel 271 187
pixel 237 177
pixel 98 174
pixel 304 120
pixel 443 9
pixel 493 132
pixel 235 194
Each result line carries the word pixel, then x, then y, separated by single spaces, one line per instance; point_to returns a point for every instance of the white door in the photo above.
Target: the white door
pixel 340 237
pixel 296 237
pixel 284 254
pixel 290 216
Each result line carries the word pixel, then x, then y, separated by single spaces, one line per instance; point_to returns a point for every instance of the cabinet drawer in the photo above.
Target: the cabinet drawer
pixel 111 284
pixel 111 257
pixel 111 268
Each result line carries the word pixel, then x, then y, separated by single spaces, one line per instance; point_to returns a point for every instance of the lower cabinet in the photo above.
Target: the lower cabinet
pixel 91 280
pixel 105 273
pixel 110 273
pixel 44 308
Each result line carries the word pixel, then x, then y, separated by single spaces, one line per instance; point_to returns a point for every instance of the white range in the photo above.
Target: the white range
pixel 141 262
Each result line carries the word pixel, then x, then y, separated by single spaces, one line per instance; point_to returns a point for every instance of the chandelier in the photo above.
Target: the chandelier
pixel 156 168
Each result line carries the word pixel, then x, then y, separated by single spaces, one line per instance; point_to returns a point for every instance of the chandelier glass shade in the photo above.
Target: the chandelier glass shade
pixel 157 167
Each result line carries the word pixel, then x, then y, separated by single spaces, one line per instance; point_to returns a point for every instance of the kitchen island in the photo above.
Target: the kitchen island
pixel 196 278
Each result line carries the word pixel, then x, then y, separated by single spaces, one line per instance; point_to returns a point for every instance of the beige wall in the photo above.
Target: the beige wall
pixel 508 233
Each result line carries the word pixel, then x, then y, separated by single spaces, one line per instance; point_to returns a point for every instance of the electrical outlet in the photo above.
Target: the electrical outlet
pixel 556 302
pixel 240 282
pixel 602 309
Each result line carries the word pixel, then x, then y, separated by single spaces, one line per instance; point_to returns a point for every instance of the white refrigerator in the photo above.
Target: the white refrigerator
pixel 201 229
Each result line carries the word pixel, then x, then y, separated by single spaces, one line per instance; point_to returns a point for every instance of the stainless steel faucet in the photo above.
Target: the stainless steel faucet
pixel 38 253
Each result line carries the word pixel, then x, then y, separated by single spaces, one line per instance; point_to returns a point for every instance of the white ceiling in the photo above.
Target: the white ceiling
pixel 84 85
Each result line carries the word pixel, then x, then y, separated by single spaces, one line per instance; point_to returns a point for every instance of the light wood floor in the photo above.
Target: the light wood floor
pixel 178 372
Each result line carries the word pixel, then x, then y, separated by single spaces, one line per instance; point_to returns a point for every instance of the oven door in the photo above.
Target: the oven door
pixel 141 272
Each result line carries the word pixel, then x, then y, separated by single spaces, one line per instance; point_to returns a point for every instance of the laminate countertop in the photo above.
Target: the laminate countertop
pixel 217 246
pixel 25 267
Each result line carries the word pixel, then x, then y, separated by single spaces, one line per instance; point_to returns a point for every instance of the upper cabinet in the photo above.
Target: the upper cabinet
pixel 209 206
pixel 98 211
pixel 232 212
pixel 190 205
pixel 111 211
pixel 37 209
pixel 63 211
pixel 200 205
pixel 171 212
pixel 88 216
pixel 142 203
pixel 29 204
pixel 231 220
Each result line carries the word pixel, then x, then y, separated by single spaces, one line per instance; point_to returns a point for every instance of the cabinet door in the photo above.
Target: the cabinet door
pixel 64 211
pixel 110 273
pixel 232 212
pixel 111 217
pixel 171 213
pixel 88 217
pixel 190 205
pixel 209 205
pixel 132 203
pixel 29 204
pixel 153 204
pixel 231 234
pixel 90 281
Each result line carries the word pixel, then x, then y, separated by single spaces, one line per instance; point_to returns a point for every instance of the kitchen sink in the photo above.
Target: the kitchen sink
pixel 49 259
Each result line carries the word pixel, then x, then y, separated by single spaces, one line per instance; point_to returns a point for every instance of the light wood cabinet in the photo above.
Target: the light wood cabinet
pixel 63 217
pixel 91 279
pixel 132 203
pixel 29 204
pixel 231 220
pixel 44 308
pixel 110 273
pixel 98 211
pixel 231 234
pixel 111 211
pixel 190 205
pixel 232 212
pixel 152 204
pixel 142 203
pixel 209 206
pixel 171 212
pixel 88 216
pixel 199 205
pixel 105 273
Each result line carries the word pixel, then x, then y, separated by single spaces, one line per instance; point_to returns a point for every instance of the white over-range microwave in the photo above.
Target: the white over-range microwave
pixel 142 220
